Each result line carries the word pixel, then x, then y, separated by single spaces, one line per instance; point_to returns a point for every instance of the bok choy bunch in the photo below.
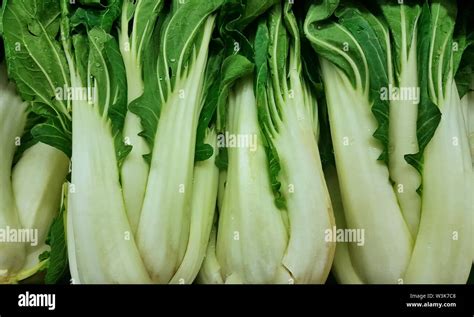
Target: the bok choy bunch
pixel 403 164
pixel 236 141
pixel 132 216
pixel 275 205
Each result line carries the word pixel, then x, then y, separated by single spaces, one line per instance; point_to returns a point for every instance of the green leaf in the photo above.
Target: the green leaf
pixel 335 43
pixel 463 51
pixel 402 19
pixel 168 58
pixel 27 139
pixel 179 38
pixel 278 51
pixel 233 68
pixel 429 115
pixel 97 16
pixel 80 43
pixel 57 269
pixel 271 47
pixel 90 2
pixel 363 26
pixel 274 169
pixel 211 88
pixel 231 32
pixel 323 10
pixel 148 106
pixel 107 68
pixel 203 152
pixel 37 64
pixel 465 71
pixel 142 15
pixel 358 46
pixel 222 159
pixel 254 9
pixel 443 17
pixel 1 18
pixel 1 34
pixel 52 133
pixel 235 16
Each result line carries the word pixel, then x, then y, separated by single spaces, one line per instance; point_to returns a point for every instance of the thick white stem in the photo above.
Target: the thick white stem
pixel 203 205
pixel 445 234
pixel 104 246
pixel 134 172
pixel 370 203
pixel 252 237
pixel 343 268
pixel 403 140
pixel 210 272
pixel 37 181
pixel 164 226
pixel 12 123
pixel 308 256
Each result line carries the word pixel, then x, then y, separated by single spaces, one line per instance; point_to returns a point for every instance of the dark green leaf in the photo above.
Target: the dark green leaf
pixel 429 115
pixel 57 268
pixel 52 133
pixel 97 16
pixel 222 159
pixel 37 64
pixel 334 43
pixel 363 28
pixel 402 19
pixel 234 67
pixel 211 88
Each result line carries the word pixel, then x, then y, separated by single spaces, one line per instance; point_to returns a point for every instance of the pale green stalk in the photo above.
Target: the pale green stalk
pixel 12 123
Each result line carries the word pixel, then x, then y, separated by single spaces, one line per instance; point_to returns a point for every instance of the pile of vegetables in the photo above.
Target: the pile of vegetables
pixel 236 141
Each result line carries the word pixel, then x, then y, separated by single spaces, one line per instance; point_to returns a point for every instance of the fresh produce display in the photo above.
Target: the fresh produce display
pixel 236 141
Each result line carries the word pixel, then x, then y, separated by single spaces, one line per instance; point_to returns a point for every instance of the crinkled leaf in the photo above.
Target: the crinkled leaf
pixel 37 64
pixel 98 16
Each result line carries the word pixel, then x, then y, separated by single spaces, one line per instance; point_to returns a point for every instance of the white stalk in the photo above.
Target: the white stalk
pixel 403 139
pixel 12 123
pixel 252 237
pixel 308 256
pixel 37 181
pixel 203 206
pixel 164 226
pixel 342 268
pixel 70 238
pixel 445 233
pixel 210 272
pixel 370 203
pixel 134 171
pixel 104 245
